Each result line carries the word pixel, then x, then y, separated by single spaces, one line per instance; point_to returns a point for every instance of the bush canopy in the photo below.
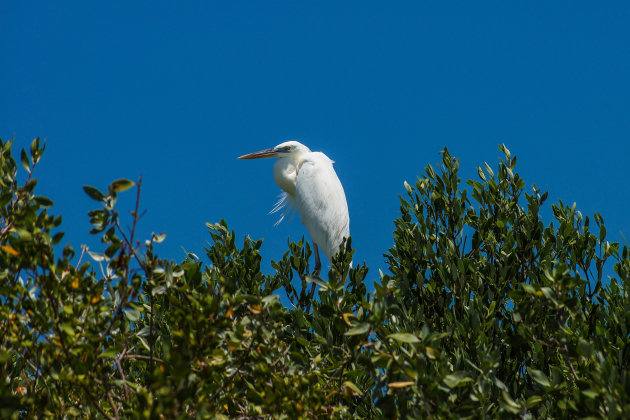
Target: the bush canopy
pixel 486 311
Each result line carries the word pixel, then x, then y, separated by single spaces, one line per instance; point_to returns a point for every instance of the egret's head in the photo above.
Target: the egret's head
pixel 286 149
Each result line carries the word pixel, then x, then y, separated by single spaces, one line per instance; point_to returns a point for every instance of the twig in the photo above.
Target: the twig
pixel 151 338
pixel 232 376
pixel 83 249
pixel 114 406
pixel 566 353
pixel 142 357
pixel 310 297
pixel 95 404
pixel 565 350
pixel 122 375
pixel 284 353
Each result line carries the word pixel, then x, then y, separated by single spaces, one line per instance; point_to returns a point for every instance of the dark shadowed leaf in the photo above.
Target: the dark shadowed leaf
pixel 25 161
pixel 93 193
pixel 43 201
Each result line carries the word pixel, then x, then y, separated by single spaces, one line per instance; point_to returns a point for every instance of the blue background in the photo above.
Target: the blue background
pixel 176 92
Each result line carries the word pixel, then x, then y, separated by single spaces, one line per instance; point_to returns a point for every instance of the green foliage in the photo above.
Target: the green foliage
pixel 486 312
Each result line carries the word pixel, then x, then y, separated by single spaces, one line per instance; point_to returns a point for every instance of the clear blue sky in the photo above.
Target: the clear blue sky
pixel 176 92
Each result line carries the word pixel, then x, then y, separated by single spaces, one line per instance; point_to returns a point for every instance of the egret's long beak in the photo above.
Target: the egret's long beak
pixel 262 154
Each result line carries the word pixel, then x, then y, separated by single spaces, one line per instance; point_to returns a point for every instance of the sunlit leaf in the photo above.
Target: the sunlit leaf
pixel 97 256
pixel 359 329
pixel 404 337
pixel 402 384
pixel 121 185
pixel 353 387
pixel 9 250
pixel 457 379
pixel 539 377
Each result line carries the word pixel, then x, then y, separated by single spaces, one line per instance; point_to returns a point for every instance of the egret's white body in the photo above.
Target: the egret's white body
pixel 311 186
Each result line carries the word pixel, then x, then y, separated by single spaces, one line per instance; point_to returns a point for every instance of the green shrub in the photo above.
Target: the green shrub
pixel 486 312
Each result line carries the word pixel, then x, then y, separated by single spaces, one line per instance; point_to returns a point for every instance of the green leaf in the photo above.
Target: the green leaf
pixel 584 348
pixel 97 256
pixel 407 187
pixel 352 386
pixel 270 299
pixel 25 161
pixel 93 193
pixel 108 354
pixel 589 393
pixel 144 343
pixel 30 185
pixel 121 185
pixel 482 175
pixel 359 329
pixel 528 288
pixel 73 411
pixel 499 384
pixel 533 401
pixel 547 292
pixel 431 352
pixel 132 315
pixel 517 317
pixel 5 356
pixel 401 384
pixel 539 377
pixel 457 379
pixel 34 147
pixel 43 201
pixel 112 249
pixel 489 169
pixel 510 404
pixel 506 151
pixel 321 283
pixel 67 328
pixel 144 332
pixel 24 234
pixel 159 290
pixel 404 337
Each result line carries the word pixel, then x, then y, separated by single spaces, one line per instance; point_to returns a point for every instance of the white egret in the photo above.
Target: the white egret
pixel 311 186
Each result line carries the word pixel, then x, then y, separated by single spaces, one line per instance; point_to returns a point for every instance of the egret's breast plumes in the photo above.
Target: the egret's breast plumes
pixel 285 174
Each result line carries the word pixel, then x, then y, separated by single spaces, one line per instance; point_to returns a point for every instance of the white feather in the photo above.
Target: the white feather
pixel 284 203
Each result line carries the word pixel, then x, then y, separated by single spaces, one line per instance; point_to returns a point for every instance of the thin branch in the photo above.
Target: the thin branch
pixel 95 403
pixel 284 353
pixel 122 376
pixel 232 376
pixel 142 357
pixel 151 338
pixel 114 406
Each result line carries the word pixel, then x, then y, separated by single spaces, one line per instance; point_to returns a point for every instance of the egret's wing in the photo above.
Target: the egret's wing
pixel 321 201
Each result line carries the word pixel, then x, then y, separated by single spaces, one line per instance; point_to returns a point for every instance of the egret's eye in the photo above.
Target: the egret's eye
pixel 287 148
